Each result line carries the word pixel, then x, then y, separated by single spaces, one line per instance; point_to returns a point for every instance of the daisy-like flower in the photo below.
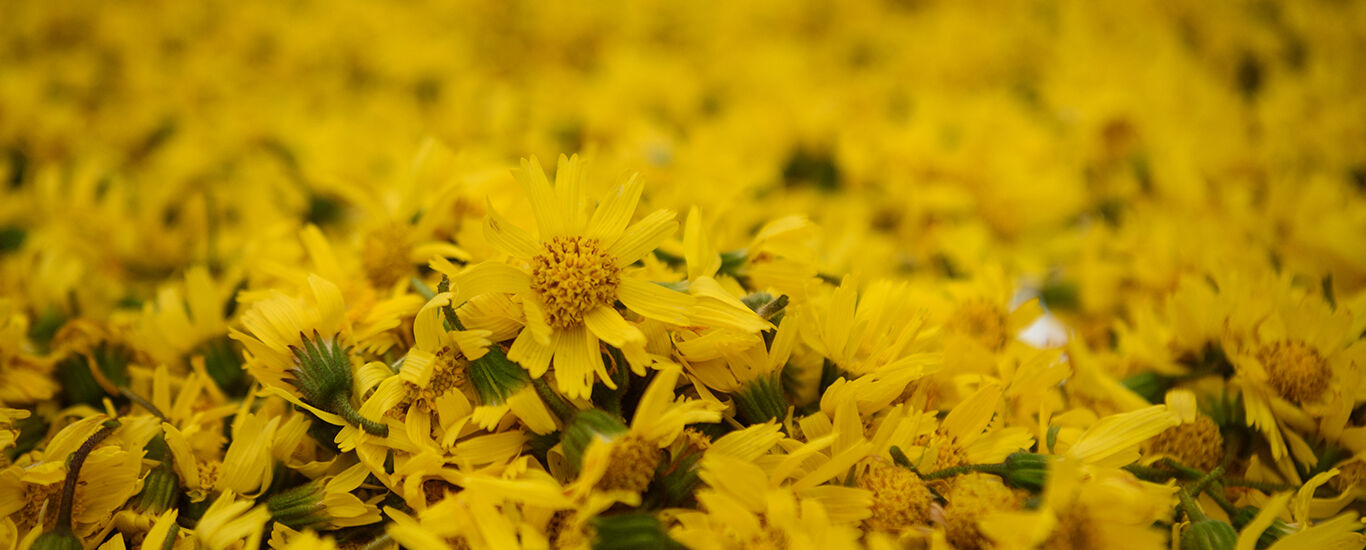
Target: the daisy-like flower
pixel 1297 361
pixel 572 274
pixel 1099 508
pixel 612 456
pixel 297 350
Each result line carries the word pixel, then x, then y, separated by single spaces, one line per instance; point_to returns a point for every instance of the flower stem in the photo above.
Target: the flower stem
pixel 1258 485
pixel 341 405
pixel 1188 505
pixel 73 474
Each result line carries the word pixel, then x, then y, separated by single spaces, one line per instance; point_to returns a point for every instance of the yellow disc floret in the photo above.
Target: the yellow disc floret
pixel 972 497
pixel 982 321
pixel 1295 370
pixel 900 498
pixel 1197 444
pixel 573 276
pixel 633 463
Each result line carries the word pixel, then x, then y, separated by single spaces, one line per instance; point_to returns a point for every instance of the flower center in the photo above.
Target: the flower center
pixel 1350 475
pixel 1197 444
pixel 34 496
pixel 982 321
pixel 1076 531
pixel 448 373
pixel 900 499
pixel 971 498
pixel 208 473
pixel 384 256
pixel 573 276
pixel 1295 369
pixel 948 453
pixel 632 465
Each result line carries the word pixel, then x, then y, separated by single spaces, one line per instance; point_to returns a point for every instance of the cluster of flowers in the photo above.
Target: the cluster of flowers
pixel 825 275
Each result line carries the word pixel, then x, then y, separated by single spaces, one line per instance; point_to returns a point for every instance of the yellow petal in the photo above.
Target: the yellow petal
pixel 549 222
pixel 608 325
pixel 655 302
pixel 508 237
pixel 531 354
pixel 1114 440
pixel 615 211
pixel 487 278
pixel 577 361
pixel 702 260
pixel 643 237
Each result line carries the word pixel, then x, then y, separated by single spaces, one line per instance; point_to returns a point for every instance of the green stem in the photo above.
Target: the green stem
pixel 1188 505
pixel 341 404
pixel 1148 473
pixel 1184 469
pixel 73 473
pixel 901 459
pixel 1200 484
pixel 382 542
pixel 1258 485
pixel 1217 494
pixel 142 402
pixel 557 404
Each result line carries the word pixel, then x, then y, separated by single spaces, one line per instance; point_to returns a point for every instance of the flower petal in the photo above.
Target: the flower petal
pixel 654 301
pixel 544 205
pixel 531 354
pixel 643 237
pixel 576 361
pixel 608 325
pixel 508 237
pixel 615 211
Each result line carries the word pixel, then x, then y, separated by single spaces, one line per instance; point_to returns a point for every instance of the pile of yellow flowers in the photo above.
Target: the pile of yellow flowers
pixel 318 275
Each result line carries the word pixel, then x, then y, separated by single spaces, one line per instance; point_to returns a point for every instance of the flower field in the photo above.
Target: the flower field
pixel 881 274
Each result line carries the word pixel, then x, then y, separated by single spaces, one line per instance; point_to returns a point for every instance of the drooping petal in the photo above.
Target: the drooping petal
pixel 608 325
pixel 576 362
pixel 531 354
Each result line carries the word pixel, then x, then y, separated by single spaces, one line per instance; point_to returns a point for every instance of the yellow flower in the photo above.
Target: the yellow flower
pixel 570 276
pixel 611 456
pixel 230 523
pixel 1086 508
pixel 297 349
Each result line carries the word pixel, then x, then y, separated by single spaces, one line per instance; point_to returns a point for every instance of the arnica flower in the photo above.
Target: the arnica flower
pixel 108 478
pixel 1106 508
pixel 297 349
pixel 611 456
pixel 1297 360
pixel 325 503
pixel 1195 441
pixel 571 276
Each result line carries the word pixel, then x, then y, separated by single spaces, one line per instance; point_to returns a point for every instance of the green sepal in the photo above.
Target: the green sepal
pixel 1026 470
pixel 159 490
pixel 57 541
pixel 299 507
pixel 223 362
pixel 1209 534
pixel 323 370
pixel 496 378
pixel 589 425
pixel 323 376
pixel 761 400
pixel 1273 532
pixel 628 531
